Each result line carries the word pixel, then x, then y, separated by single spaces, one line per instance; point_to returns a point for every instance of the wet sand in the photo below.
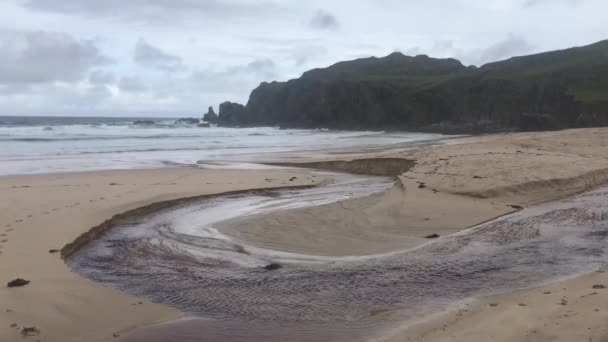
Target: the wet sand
pixel 450 188
pixel 46 212
pixel 335 298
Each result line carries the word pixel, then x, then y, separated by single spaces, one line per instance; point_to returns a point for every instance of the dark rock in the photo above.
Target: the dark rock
pixel 53 251
pixel 552 90
pixel 233 115
pixel 17 282
pixel 273 266
pixel 211 117
pixel 432 236
pixel 599 287
pixel 30 331
pixel 517 207
pixel 187 121
pixel 144 122
pixel 204 125
pixel 421 186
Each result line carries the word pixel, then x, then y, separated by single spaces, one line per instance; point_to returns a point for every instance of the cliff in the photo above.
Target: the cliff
pixel 553 90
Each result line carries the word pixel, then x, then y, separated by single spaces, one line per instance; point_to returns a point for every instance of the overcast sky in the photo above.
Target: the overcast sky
pixel 177 57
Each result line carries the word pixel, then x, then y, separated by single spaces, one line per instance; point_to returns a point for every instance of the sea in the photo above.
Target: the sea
pixel 33 145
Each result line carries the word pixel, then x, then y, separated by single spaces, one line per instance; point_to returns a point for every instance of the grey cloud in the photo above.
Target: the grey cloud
pixel 324 20
pixel 40 57
pixel 413 51
pixel 534 3
pixel 155 11
pixel 131 85
pixel 100 77
pixel 513 45
pixel 303 54
pixel 240 77
pixel 153 57
pixel 442 46
pixel 260 68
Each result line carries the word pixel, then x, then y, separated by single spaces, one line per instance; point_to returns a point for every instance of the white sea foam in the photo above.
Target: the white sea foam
pixel 45 145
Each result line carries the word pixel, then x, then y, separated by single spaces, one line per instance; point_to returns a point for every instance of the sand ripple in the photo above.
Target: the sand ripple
pixel 170 257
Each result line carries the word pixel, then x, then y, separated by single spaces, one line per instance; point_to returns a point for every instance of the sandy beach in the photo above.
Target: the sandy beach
pixel 45 212
pixel 440 189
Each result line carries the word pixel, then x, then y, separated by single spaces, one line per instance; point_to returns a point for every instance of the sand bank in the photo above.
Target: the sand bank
pixel 441 189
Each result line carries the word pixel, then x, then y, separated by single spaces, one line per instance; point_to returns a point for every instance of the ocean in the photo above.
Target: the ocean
pixel 31 145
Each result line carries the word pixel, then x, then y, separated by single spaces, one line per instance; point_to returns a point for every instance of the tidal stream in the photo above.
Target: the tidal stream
pixel 179 257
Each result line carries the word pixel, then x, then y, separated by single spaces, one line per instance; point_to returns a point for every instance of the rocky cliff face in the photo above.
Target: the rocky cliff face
pixel 553 90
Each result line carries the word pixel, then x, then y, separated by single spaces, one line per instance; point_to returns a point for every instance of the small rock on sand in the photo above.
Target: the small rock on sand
pixel 432 236
pixel 273 266
pixel 599 287
pixel 17 282
pixel 53 251
pixel 30 331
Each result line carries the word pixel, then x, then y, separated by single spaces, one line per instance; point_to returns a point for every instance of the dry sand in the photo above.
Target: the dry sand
pixel 451 187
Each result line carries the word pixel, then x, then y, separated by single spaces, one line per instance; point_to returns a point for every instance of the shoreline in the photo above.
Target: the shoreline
pixel 410 204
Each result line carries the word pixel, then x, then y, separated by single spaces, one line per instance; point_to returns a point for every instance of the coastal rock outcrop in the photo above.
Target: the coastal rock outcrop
pixel 547 91
pixel 233 115
pixel 211 117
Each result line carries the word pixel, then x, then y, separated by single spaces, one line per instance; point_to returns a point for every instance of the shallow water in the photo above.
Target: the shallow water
pixel 177 257
pixel 68 144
